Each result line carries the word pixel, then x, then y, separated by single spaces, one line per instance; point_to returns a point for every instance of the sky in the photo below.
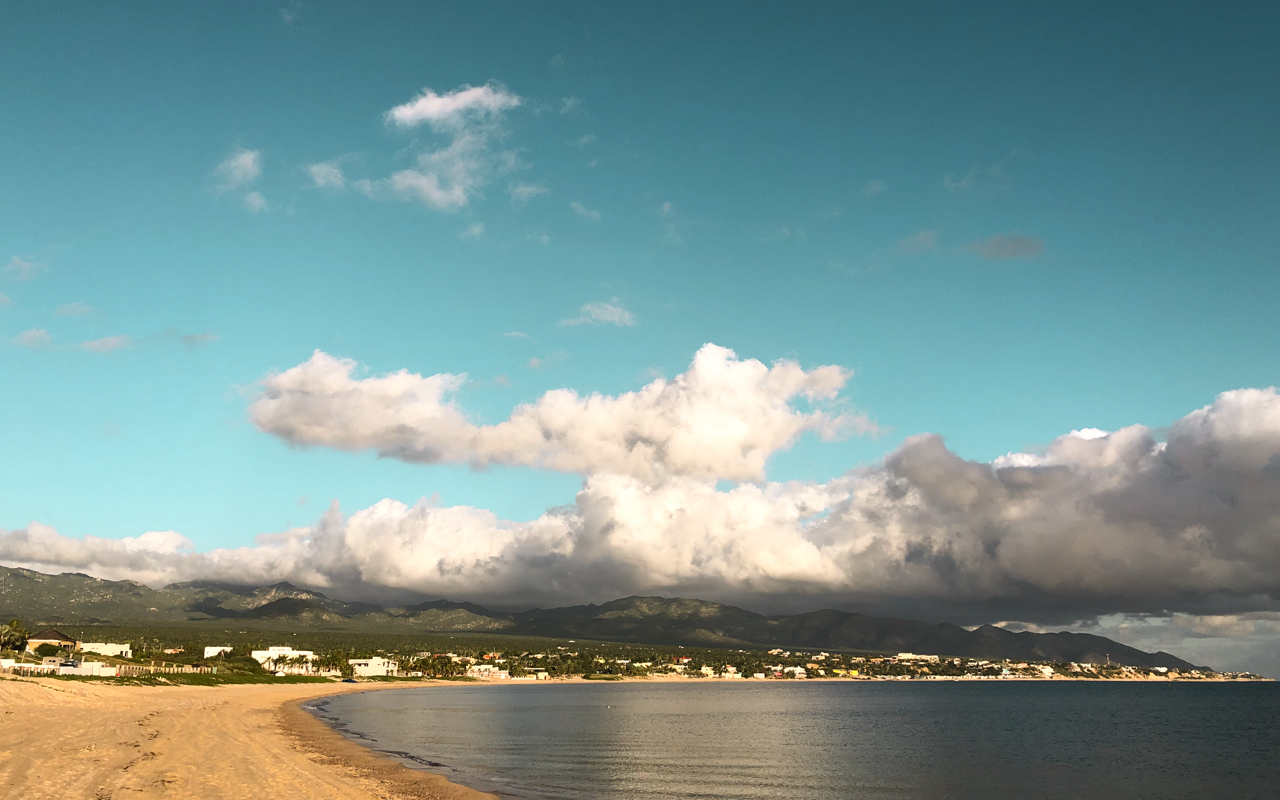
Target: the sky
pixel 963 313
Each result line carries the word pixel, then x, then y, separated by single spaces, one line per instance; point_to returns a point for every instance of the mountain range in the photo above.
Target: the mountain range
pixel 69 598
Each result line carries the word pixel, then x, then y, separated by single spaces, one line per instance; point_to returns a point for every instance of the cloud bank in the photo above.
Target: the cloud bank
pixel 1185 530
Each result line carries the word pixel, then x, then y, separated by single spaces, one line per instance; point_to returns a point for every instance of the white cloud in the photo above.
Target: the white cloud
pixel 918 243
pixel 1118 521
pixel 570 105
pixel 453 109
pixel 241 168
pixel 999 247
pixel 255 202
pixel 76 309
pixel 427 187
pixel 1184 532
pixel 989 178
pixel 23 269
pixel 326 175
pixel 524 192
pixel 873 188
pixel 665 210
pixel 108 344
pixel 447 178
pixel 4 300
pixel 584 212
pixel 40 339
pixel 34 339
pixel 517 335
pixel 610 313
pixel 473 231
pixel 194 340
pixel 583 141
pixel 722 418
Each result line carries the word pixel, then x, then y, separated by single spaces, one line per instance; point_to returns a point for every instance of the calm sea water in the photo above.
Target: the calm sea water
pixel 832 739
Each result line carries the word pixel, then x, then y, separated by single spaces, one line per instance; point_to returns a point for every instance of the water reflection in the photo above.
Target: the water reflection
pixel 735 741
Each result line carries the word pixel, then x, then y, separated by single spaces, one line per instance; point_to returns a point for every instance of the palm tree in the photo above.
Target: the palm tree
pixel 13 636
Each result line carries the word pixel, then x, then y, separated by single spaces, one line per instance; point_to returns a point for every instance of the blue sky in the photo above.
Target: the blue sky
pixel 1010 221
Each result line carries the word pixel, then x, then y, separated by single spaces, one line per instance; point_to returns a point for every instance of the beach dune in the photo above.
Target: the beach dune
pixel 64 739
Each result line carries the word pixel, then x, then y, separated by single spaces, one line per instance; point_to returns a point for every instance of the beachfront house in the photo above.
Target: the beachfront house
pixel 50 636
pixel 375 667
pixel 214 652
pixel 487 672
pixel 107 649
pixel 286 660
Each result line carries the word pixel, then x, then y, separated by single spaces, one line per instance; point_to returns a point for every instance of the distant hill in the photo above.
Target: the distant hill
pixel 75 598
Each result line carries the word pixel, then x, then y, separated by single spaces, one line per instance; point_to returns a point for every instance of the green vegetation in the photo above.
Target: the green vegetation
pixel 14 636
pixel 207 609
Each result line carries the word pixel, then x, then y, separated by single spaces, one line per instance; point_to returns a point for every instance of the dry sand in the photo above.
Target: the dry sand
pixel 71 739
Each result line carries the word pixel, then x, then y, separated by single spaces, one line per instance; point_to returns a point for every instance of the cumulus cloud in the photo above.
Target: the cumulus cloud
pixel 722 418
pixel 610 313
pixel 524 192
pixel 108 343
pixel 447 178
pixel 34 339
pixel 23 269
pixel 255 202
pixel 40 339
pixel 453 109
pixel 239 169
pixel 473 231
pixel 1000 247
pixel 1120 523
pixel 979 177
pixel 76 309
pixel 918 243
pixel 326 175
pixel 584 212
pixel 4 300
pixel 1181 535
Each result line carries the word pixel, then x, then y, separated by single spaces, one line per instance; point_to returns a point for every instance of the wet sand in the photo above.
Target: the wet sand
pixel 71 739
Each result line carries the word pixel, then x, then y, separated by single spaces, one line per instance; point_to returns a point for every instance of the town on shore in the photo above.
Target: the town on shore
pixel 55 653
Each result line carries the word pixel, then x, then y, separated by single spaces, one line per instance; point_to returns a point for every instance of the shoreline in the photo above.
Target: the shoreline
pixel 106 741
pixel 325 744
pixel 101 741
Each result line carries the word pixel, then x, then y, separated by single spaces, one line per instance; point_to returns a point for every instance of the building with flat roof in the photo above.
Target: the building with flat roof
pixel 107 649
pixel 374 667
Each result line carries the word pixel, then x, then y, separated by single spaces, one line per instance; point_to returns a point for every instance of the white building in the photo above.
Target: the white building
pixel 915 657
pixel 286 660
pixel 214 652
pixel 107 649
pixel 375 667
pixel 92 668
pixel 487 672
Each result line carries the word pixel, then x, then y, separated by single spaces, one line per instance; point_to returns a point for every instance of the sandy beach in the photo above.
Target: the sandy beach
pixel 64 739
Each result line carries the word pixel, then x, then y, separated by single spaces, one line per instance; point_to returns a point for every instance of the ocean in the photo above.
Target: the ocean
pixel 827 739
